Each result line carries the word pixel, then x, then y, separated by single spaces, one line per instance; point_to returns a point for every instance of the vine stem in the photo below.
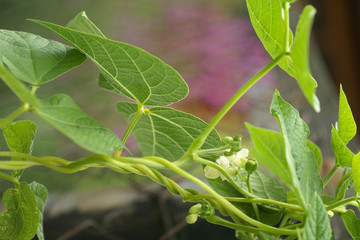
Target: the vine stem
pixel 9 178
pixel 257 214
pixel 330 174
pixel 342 202
pixel 14 115
pixel 203 135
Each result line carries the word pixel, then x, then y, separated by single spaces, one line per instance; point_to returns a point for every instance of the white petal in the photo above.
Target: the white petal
pixel 243 153
pixel 223 162
pixel 211 172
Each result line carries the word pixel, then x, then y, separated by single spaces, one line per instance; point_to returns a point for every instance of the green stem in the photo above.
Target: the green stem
pixel 8 177
pixel 226 175
pixel 257 214
pixel 202 137
pixel 286 8
pixel 339 203
pixel 14 115
pixel 330 174
pixel 131 126
pixel 219 221
pixel 212 150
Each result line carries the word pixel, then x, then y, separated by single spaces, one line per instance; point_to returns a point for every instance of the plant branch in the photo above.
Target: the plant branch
pixel 330 174
pixel 14 115
pixel 202 137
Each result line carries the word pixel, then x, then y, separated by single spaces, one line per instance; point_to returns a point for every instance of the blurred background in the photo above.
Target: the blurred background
pixel 213 46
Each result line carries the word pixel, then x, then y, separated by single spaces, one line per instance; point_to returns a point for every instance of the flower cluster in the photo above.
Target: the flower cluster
pixel 231 164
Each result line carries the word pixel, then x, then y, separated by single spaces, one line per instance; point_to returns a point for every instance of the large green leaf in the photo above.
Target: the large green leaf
pixel 68 118
pixel 343 154
pixel 17 87
pixel 19 137
pixel 300 57
pixel 34 59
pixel 347 124
pixel 356 171
pixel 166 132
pixel 267 19
pixel 317 225
pixel 20 220
pixel 352 223
pixel 128 70
pixel 300 159
pixel 41 195
pixel 269 150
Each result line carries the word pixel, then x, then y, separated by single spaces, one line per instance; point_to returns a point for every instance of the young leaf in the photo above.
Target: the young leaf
pixel 300 59
pixel 343 154
pixel 20 220
pixel 41 195
pixel 267 19
pixel 19 137
pixel 269 150
pixel 130 71
pixel 342 187
pixel 17 87
pixel 347 124
pixel 83 24
pixel 300 159
pixel 356 172
pixel 61 112
pixel 352 223
pixel 317 225
pixel 34 59
pixel 166 132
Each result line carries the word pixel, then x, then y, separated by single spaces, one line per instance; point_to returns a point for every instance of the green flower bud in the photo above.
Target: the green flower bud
pixel 191 218
pixel 228 153
pixel 251 165
pixel 226 140
pixel 238 138
pixel 207 210
pixel 330 213
pixel 195 209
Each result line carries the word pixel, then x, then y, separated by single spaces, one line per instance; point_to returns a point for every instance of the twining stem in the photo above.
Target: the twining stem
pixel 202 137
pixel 330 174
pixel 129 129
pixel 257 214
pixel 339 203
pixel 14 115
pixel 8 177
pixel 286 8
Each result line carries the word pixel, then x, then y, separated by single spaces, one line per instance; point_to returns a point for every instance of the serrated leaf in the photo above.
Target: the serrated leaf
pixel 299 55
pixel 21 218
pixel 130 71
pixel 166 132
pixel 300 159
pixel 19 137
pixel 41 195
pixel 343 154
pixel 83 24
pixel 352 223
pixel 269 150
pixel 267 19
pixel 317 225
pixel 347 124
pixel 356 172
pixel 17 87
pixel 34 59
pixel 61 112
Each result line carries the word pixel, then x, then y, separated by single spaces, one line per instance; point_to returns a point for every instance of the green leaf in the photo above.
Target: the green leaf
pixel 166 132
pixel 300 57
pixel 301 161
pixel 352 223
pixel 130 71
pixel 19 137
pixel 317 153
pixel 41 195
pixel 61 112
pixel 342 153
pixel 317 225
pixel 83 24
pixel 267 19
pixel 34 59
pixel 356 172
pixel 269 150
pixel 17 87
pixel 347 124
pixel 20 220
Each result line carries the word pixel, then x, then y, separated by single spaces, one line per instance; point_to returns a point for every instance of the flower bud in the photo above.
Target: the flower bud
pixel 232 171
pixel 251 165
pixel 330 213
pixel 195 209
pixel 226 140
pixel 238 138
pixel 191 218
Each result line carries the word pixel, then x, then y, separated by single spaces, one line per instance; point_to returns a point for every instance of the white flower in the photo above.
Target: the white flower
pixel 223 162
pixel 240 158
